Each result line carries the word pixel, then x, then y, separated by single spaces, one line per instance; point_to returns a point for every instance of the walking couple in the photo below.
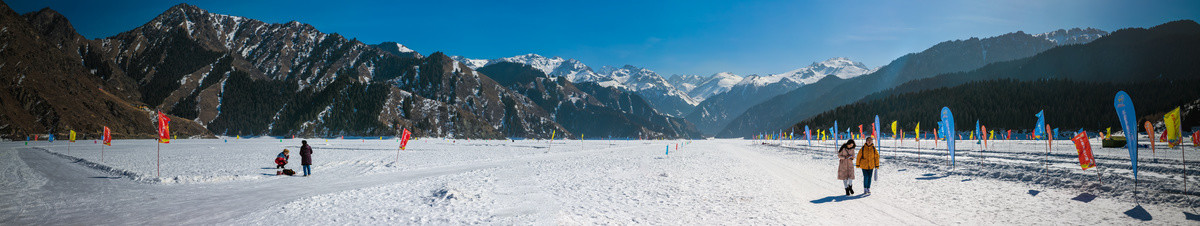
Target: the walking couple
pixel 867 160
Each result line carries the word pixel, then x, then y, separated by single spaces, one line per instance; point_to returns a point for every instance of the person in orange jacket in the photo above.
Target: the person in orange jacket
pixel 868 161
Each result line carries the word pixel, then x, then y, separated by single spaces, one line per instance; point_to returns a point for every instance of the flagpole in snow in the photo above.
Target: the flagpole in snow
pixel 158 161
pixel 1049 141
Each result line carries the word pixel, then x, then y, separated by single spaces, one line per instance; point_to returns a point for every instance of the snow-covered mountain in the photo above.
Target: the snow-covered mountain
pixel 841 67
pixel 686 83
pixel 1072 36
pixel 717 109
pixel 471 63
pixel 587 108
pixel 712 85
pixel 571 69
pixel 398 49
pixel 665 97
pixel 651 86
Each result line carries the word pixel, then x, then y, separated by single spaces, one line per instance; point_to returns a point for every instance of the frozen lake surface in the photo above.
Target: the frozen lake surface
pixel 450 182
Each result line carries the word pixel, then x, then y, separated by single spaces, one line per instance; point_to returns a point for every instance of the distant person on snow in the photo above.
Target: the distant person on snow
pixel 281 159
pixel 868 161
pixel 846 166
pixel 306 157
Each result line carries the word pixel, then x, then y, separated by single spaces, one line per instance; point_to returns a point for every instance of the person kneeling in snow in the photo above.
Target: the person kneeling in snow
pixel 282 159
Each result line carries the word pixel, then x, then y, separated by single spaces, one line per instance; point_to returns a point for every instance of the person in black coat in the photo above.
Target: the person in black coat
pixel 306 157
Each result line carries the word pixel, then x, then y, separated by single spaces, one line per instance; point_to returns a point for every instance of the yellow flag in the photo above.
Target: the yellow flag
pixel 917 131
pixel 72 136
pixel 894 128
pixel 1108 135
pixel 1174 131
pixel 552 134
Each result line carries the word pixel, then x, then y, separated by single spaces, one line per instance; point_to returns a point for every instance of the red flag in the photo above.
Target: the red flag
pixel 1084 147
pixel 983 136
pixel 164 128
pixel 404 139
pixel 1009 137
pixel 107 137
pixel 1150 132
pixel 860 131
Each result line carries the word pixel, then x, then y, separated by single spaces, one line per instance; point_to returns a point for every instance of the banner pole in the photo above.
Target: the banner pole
pixel 158 162
pixel 1046 162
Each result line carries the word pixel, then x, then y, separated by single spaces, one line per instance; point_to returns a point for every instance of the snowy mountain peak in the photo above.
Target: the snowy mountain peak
pixel 571 69
pixel 402 48
pixel 472 63
pixel 641 80
pixel 660 93
pixel 716 84
pixel 840 67
pixel 1072 36
pixel 397 49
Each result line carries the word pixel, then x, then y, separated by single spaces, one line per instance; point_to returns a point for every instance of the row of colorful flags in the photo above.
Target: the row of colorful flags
pixel 945 130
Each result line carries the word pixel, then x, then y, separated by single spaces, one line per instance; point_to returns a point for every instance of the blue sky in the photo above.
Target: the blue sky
pixel 670 37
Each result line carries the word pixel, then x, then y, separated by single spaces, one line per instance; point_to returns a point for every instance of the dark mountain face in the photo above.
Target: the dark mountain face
pixel 581 112
pixel 47 90
pixel 640 111
pixel 238 76
pixel 945 57
pixel 1157 66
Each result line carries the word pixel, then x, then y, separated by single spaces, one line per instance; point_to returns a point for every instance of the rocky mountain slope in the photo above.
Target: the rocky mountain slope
pixel 239 76
pixel 581 112
pixel 45 90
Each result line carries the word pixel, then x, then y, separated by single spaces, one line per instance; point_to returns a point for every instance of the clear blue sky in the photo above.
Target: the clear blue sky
pixel 692 37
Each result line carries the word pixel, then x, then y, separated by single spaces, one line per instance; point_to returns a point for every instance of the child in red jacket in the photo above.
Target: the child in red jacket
pixel 282 159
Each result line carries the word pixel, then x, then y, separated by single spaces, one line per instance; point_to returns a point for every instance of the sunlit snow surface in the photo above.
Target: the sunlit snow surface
pixel 451 182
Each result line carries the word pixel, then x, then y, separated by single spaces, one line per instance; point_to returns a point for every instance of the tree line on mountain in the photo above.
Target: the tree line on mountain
pixel 1011 104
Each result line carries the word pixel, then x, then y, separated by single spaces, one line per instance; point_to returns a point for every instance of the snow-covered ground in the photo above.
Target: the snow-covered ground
pixel 450 182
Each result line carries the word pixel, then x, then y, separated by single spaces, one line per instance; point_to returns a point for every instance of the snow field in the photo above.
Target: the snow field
pixel 454 182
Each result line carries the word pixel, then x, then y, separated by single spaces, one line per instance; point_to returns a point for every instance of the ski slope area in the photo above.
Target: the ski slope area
pixel 569 182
